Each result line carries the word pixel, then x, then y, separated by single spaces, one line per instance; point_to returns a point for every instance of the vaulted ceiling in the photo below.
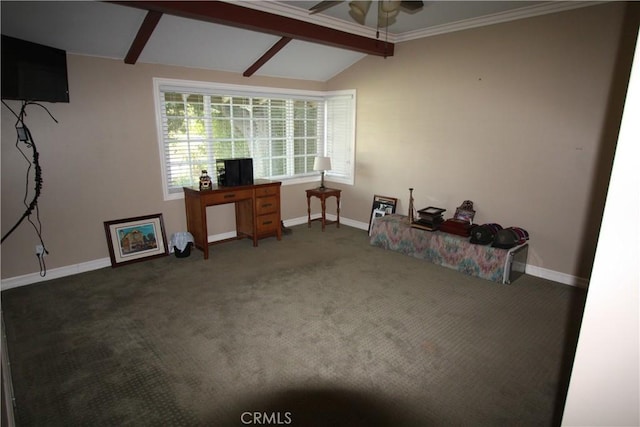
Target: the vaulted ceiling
pixel 270 38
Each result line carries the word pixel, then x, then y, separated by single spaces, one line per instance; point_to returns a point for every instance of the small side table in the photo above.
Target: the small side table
pixel 322 194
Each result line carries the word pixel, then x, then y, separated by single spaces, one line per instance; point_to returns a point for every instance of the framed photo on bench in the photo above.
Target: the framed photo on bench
pixel 465 212
pixel 382 204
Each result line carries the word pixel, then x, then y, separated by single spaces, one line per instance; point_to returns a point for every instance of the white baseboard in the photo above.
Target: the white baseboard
pixel 222 236
pixel 28 279
pixel 556 276
pixel 346 221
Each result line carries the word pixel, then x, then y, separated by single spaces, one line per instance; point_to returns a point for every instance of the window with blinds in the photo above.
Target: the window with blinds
pixel 282 131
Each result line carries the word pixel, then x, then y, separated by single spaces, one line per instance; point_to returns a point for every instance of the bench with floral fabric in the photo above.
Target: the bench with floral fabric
pixel 393 232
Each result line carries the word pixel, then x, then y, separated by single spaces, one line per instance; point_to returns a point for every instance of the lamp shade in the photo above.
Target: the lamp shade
pixel 322 164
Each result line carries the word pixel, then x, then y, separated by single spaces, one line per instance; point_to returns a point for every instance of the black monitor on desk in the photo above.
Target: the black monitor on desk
pixel 234 172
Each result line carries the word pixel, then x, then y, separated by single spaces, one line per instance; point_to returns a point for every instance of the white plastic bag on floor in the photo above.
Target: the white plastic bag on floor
pixel 181 239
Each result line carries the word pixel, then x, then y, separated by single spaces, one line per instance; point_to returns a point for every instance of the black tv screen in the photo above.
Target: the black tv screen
pixel 33 72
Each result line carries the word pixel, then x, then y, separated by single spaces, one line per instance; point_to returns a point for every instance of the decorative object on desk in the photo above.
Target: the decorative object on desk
pixel 383 203
pixel 465 212
pixel 205 180
pixel 136 239
pixel 322 164
pixel 181 243
pixel 429 218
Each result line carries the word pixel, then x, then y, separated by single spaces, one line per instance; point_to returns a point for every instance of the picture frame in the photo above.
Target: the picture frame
pixel 432 210
pixel 136 239
pixel 382 203
pixel 465 212
pixel 377 213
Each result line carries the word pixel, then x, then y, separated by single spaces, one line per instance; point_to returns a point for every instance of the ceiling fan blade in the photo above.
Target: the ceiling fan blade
pixel 323 5
pixel 411 6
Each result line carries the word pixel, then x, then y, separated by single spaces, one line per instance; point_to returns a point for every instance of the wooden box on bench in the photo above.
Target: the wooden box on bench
pixel 456 226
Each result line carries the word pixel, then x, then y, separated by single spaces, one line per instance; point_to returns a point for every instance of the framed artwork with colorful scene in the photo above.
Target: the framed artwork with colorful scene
pixel 136 239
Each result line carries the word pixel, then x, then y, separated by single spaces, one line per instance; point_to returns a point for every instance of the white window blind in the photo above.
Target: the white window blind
pixel 282 131
pixel 340 134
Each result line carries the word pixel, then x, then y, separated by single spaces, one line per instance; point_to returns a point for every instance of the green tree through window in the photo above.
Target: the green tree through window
pixel 283 134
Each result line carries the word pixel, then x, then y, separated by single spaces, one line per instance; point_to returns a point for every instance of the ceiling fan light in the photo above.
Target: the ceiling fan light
pixel 384 21
pixel 387 18
pixel 388 6
pixel 358 10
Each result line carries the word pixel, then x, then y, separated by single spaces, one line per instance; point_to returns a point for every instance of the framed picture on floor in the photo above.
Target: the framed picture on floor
pixel 377 213
pixel 382 203
pixel 136 239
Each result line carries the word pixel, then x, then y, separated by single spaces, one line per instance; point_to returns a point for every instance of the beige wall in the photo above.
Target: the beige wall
pixel 101 162
pixel 514 117
pixel 511 116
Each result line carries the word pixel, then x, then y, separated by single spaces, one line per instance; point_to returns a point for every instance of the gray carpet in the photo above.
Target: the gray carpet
pixel 317 329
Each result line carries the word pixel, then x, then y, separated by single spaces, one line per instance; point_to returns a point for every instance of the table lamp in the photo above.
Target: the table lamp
pixel 322 164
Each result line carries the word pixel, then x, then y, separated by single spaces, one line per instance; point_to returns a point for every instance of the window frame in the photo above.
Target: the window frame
pixel 161 85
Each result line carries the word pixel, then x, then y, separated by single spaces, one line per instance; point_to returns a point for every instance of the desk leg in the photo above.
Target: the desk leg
pixel 324 211
pixel 309 211
pixel 197 222
pixel 338 210
pixel 206 250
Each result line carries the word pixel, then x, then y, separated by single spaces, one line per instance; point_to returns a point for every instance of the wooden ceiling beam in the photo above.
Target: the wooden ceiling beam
pixel 232 15
pixel 146 29
pixel 267 56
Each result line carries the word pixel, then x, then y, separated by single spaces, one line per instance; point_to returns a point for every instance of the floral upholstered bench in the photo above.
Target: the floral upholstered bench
pixel 449 250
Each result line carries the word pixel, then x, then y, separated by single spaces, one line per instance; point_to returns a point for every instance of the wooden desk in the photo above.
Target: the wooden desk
pixel 322 194
pixel 257 211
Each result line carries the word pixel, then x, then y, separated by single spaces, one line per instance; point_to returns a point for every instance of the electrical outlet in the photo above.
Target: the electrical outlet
pixel 40 250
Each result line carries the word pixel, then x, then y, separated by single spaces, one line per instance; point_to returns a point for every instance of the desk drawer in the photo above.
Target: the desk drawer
pixel 265 205
pixel 267 190
pixel 267 223
pixel 228 196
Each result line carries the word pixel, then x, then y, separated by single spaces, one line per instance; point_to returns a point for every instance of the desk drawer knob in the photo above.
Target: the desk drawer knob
pixel 267 222
pixel 229 196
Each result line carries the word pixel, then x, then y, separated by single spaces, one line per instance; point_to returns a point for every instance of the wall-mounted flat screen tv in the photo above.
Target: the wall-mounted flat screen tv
pixel 33 72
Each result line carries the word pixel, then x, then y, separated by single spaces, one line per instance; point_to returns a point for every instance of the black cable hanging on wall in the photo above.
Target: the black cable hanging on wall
pixel 24 135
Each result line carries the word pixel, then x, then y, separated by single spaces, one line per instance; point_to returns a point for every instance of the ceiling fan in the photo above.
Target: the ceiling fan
pixel 388 10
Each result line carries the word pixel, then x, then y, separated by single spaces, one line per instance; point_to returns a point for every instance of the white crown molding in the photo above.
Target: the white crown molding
pixel 294 12
pixel 496 18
